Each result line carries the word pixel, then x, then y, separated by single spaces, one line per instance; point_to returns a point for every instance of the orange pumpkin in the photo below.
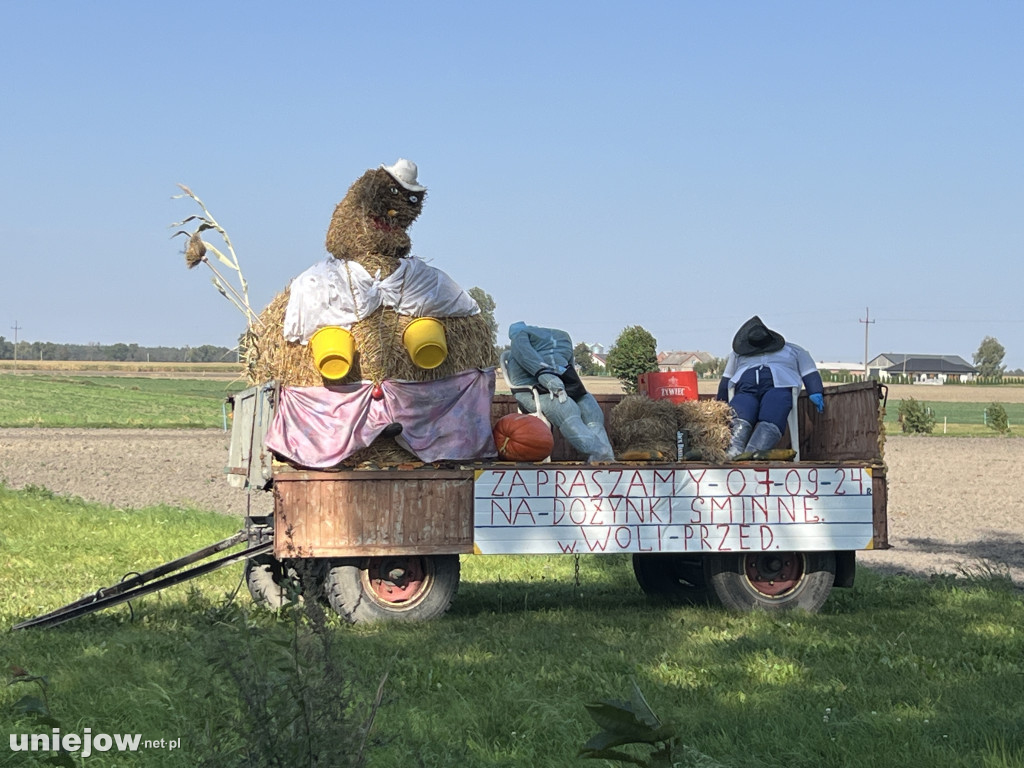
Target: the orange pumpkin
pixel 520 437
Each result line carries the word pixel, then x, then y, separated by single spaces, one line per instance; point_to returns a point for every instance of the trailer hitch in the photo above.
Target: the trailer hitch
pixel 161 577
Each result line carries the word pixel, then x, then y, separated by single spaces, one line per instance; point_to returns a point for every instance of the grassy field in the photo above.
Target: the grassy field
pixel 61 400
pixel 894 672
pixel 180 400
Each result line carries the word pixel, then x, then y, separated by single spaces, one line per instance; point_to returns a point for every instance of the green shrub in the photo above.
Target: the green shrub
pixel 915 417
pixel 995 418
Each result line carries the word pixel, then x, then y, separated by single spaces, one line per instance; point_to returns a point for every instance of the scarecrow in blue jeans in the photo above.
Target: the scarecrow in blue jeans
pixel 542 358
pixel 762 368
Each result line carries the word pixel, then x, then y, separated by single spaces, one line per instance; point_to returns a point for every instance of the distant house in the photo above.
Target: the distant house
pixel 854 369
pixel 922 369
pixel 681 361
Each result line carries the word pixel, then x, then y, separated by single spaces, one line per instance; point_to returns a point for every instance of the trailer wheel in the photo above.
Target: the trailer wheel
pixel 394 588
pixel 771 581
pixel 672 577
pixel 272 583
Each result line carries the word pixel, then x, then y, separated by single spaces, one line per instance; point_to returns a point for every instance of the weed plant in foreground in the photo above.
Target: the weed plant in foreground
pixel 896 672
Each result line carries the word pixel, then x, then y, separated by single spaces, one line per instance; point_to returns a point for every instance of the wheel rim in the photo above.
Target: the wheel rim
pixel 774 574
pixel 397 582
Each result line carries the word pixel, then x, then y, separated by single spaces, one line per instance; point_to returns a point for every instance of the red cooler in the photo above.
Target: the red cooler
pixel 677 386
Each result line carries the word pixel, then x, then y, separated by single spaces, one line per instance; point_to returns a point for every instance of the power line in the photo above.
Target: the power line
pixel 16 328
pixel 867 322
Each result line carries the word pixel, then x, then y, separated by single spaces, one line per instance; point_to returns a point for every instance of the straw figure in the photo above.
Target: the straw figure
pixel 371 273
pixel 369 228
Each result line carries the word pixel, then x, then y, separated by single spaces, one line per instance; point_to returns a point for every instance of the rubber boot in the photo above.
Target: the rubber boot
pixel 741 429
pixel 766 436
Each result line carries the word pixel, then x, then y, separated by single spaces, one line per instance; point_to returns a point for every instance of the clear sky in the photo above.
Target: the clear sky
pixel 592 165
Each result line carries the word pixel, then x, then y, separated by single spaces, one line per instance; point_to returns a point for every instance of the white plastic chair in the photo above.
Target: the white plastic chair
pixel 503 362
pixel 792 421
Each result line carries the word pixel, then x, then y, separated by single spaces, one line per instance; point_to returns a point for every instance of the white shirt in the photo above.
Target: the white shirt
pixel 336 292
pixel 788 366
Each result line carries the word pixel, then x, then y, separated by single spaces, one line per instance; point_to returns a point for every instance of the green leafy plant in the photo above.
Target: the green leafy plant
pixel 634 353
pixel 915 417
pixel 299 704
pixel 996 418
pixel 634 722
pixel 37 709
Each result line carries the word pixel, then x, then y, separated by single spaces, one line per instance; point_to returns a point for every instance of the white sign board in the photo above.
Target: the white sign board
pixel 584 510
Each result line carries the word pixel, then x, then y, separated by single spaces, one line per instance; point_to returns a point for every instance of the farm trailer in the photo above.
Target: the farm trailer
pixel 385 543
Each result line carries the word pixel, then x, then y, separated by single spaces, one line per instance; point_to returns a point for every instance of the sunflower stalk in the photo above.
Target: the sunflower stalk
pixel 196 253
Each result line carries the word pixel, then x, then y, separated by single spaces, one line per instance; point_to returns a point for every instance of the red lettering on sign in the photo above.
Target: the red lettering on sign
pixel 500 474
pixel 524 510
pixel 764 480
pixel 596 544
pixel 724 505
pixel 504 509
pixel 793 482
pixel 730 485
pixel 810 516
pixel 787 506
pixel 696 479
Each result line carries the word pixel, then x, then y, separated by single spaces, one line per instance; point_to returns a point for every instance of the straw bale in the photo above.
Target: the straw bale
pixel 639 424
pixel 707 424
pixel 380 353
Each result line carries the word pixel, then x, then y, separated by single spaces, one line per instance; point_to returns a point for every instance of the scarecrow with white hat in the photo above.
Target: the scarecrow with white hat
pixel 408 372
pixel 761 370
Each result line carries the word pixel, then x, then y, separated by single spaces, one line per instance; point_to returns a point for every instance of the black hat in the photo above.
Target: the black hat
pixel 755 338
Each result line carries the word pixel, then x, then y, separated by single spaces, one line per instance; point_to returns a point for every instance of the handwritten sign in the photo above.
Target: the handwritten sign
pixel 552 510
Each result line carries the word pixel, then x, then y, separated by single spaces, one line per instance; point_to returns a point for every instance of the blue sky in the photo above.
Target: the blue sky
pixel 675 165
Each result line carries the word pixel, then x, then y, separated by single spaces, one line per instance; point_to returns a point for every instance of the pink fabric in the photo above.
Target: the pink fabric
pixel 449 419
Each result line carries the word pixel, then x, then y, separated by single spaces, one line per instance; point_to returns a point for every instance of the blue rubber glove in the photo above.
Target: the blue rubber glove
pixel 819 401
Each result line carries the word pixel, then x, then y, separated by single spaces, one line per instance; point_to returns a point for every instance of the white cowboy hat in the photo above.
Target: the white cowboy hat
pixel 404 172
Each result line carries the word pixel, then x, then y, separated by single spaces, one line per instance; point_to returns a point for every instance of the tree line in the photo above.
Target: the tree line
pixel 45 350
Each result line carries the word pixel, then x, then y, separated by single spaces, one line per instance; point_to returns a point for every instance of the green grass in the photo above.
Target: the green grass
pixel 896 671
pixel 961 419
pixel 32 400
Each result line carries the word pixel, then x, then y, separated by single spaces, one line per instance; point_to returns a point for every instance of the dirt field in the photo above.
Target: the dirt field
pixel 954 503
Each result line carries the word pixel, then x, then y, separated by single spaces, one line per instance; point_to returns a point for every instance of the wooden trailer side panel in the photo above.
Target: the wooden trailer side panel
pixel 364 513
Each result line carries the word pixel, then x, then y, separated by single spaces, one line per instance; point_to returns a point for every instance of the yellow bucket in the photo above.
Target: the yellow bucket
pixel 425 342
pixel 333 349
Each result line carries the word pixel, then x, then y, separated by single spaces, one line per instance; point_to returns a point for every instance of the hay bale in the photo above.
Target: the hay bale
pixel 638 424
pixel 379 351
pixel 707 424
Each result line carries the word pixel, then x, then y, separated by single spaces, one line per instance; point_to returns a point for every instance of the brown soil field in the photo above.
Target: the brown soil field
pixel 956 505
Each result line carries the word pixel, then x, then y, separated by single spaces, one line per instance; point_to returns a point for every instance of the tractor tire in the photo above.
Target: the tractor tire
pixel 771 581
pixel 671 577
pixel 393 588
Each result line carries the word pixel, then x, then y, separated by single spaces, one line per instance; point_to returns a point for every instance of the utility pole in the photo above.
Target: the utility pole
pixel 16 328
pixel 867 322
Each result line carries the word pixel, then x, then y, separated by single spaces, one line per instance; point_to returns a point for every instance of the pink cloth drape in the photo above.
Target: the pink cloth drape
pixel 449 419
